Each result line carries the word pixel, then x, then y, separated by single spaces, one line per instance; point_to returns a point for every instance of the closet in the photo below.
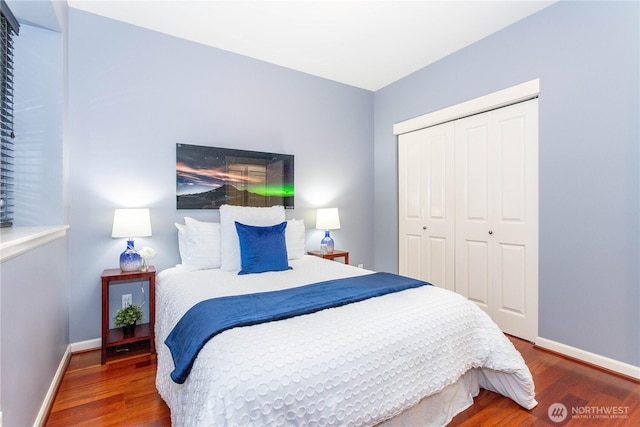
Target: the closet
pixel 468 211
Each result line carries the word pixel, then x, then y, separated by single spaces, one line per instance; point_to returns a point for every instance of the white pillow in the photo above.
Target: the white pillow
pixel 182 242
pixel 230 246
pixel 202 244
pixel 295 237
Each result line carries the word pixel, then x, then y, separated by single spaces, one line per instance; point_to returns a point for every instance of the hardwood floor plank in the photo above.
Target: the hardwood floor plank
pixel 89 411
pixel 123 393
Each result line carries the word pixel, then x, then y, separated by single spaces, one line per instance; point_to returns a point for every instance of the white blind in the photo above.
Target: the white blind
pixel 10 28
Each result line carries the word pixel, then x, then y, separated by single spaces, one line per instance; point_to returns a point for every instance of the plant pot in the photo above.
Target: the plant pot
pixel 128 330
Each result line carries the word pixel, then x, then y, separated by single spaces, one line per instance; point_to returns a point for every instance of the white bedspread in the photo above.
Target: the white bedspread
pixel 356 365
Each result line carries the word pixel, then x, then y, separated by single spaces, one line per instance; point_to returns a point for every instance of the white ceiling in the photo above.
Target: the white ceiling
pixel 363 43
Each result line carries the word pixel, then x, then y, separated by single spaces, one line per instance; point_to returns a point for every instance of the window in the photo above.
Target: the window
pixel 10 28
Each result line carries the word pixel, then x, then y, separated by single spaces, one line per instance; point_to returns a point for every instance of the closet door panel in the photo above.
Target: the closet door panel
pixel 475 146
pixel 437 262
pixel 411 265
pixel 413 180
pixel 436 177
pixel 511 280
pixel 426 209
pixel 439 225
pixel 515 228
pixel 410 210
pixel 473 208
pixel 512 174
pixel 476 271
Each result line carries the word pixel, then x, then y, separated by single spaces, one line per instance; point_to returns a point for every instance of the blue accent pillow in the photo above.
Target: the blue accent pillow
pixel 262 248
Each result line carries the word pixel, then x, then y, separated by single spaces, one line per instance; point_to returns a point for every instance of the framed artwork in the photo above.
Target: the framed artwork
pixel 209 177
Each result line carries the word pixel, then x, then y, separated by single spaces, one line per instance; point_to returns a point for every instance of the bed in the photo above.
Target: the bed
pixel 412 357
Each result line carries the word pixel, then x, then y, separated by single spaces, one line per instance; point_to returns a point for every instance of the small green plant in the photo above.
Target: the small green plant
pixel 128 315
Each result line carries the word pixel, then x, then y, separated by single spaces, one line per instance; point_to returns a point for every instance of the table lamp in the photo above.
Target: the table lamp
pixel 130 223
pixel 327 219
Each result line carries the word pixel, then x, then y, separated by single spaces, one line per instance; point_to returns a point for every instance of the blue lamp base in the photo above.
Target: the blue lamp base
pixel 130 260
pixel 326 244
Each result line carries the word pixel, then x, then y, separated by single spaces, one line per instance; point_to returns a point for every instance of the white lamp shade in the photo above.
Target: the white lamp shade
pixel 131 223
pixel 327 219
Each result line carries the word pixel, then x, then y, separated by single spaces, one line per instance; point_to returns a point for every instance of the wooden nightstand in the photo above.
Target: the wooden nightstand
pixel 143 341
pixel 332 256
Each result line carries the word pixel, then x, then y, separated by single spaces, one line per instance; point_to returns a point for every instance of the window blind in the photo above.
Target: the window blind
pixel 10 28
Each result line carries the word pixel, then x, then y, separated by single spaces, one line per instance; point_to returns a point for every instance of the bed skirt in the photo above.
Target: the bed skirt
pixel 440 408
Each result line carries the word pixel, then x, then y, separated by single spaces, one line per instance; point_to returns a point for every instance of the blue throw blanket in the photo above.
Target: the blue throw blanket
pixel 210 317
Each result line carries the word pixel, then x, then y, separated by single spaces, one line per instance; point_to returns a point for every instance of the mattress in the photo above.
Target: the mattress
pixel 362 364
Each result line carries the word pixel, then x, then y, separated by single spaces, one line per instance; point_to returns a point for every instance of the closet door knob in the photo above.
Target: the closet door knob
pixel 490 231
pixel 424 227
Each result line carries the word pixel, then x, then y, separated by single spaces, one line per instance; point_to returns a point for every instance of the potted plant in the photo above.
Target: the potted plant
pixel 127 318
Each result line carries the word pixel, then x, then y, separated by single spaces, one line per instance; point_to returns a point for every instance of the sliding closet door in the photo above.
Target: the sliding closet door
pixel 426 205
pixel 474 208
pixel 497 215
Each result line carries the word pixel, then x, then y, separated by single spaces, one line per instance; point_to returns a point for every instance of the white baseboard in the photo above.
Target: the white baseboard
pixel 93 344
pixel 57 378
pixel 592 358
pixel 51 393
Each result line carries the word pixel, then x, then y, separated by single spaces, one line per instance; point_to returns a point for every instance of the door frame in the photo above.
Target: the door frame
pixel 512 95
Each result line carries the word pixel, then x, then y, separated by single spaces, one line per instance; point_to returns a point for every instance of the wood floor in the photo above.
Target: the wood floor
pixel 124 394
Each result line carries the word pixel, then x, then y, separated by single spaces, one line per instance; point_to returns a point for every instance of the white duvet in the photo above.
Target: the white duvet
pixel 359 364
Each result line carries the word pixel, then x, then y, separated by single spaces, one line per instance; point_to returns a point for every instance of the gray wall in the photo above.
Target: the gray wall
pixel 586 55
pixel 34 318
pixel 135 93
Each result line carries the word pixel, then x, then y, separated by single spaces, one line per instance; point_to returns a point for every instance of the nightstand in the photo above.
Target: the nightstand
pixel 143 340
pixel 332 256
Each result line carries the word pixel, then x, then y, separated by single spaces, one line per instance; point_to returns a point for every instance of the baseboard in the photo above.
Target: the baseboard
pixel 590 358
pixel 87 345
pixel 77 347
pixel 41 419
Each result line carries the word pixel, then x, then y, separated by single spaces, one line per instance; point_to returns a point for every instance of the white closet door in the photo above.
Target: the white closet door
pixel 474 193
pixel 497 215
pixel 426 205
pixel 516 220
